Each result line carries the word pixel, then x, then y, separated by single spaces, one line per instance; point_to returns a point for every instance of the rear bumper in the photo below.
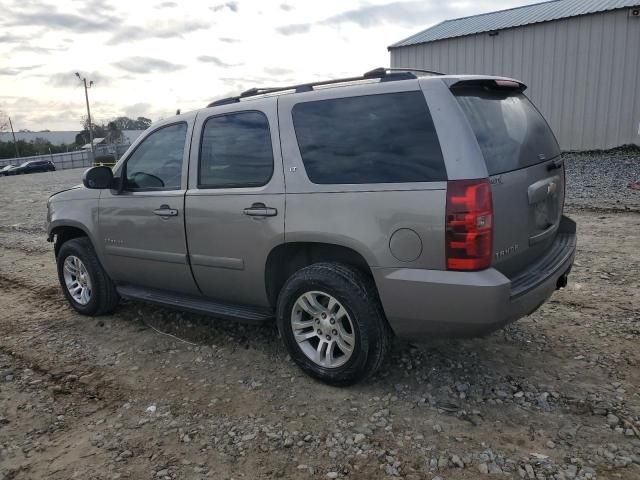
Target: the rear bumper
pixel 421 304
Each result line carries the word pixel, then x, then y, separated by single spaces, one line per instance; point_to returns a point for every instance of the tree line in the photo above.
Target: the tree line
pixel 111 131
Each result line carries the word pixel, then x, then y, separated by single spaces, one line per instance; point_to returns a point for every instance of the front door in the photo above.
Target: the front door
pixel 235 202
pixel 142 226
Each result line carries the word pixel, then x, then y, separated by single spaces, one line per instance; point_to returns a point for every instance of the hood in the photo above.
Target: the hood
pixel 78 192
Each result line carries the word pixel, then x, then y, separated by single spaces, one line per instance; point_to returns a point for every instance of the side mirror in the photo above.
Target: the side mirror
pixel 98 178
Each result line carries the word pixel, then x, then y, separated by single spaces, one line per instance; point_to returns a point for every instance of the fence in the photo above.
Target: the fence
pixel 77 159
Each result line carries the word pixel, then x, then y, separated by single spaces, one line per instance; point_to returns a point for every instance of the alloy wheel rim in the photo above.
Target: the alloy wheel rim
pixel 77 280
pixel 323 329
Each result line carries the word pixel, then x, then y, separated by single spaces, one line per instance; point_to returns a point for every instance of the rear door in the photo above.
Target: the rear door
pixel 525 169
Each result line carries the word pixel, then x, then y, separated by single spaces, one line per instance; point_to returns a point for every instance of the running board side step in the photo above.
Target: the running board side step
pixel 195 304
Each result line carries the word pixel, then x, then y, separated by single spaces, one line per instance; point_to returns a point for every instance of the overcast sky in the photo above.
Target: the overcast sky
pixel 148 58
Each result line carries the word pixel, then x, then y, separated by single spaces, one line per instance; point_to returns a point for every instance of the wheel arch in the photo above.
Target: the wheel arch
pixel 60 234
pixel 287 258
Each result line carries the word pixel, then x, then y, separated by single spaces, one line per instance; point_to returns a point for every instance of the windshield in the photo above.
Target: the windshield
pixel 511 132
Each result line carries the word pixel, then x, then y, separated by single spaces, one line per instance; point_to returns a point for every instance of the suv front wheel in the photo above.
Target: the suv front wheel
pixel 86 285
pixel 332 323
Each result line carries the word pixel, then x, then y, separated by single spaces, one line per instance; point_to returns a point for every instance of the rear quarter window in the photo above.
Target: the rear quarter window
pixel 386 138
pixel 510 131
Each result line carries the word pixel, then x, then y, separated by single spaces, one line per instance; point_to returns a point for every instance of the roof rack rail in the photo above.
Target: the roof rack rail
pixel 421 70
pixel 384 74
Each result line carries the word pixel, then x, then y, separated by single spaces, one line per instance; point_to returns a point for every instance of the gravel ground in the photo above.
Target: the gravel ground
pixel 603 180
pixel 554 396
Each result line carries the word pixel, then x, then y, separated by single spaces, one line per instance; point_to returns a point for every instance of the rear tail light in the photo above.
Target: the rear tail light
pixel 469 230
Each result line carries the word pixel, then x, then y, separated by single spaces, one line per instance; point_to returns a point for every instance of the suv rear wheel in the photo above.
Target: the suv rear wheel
pixel 84 282
pixel 332 324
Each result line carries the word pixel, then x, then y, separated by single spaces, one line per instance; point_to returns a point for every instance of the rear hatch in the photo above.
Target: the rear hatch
pixel 525 170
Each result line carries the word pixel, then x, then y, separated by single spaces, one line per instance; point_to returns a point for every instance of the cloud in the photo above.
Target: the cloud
pixel 397 13
pixel 95 7
pixel 38 49
pixel 138 110
pixel 216 61
pixel 175 28
pixel 278 71
pixel 405 14
pixel 229 40
pixel 66 79
pixel 17 70
pixel 294 29
pixel 69 79
pixel 63 21
pixel 166 5
pixel 147 65
pixel 10 38
pixel 242 83
pixel 233 6
pixel 22 44
pixel 286 7
pixel 54 114
pixel 9 71
pixel 149 110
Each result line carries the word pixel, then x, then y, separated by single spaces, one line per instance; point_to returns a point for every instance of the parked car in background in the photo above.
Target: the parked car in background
pixel 11 170
pixel 33 166
pixel 375 205
pixel 4 171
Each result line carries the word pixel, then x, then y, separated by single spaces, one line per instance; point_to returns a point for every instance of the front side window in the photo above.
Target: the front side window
pixel 157 162
pixel 388 138
pixel 235 151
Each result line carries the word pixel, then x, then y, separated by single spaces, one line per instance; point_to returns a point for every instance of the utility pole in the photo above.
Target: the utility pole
pixel 15 144
pixel 86 96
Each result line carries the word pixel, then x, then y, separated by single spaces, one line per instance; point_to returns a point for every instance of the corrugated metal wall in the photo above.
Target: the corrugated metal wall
pixel 583 73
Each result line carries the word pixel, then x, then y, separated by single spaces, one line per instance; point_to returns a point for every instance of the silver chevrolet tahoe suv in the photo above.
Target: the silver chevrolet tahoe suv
pixel 350 210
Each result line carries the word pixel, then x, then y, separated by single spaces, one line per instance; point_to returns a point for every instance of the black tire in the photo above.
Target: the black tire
pixel 104 297
pixel 357 293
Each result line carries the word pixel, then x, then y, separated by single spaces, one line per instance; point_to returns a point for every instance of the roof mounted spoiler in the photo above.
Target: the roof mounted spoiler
pixel 382 73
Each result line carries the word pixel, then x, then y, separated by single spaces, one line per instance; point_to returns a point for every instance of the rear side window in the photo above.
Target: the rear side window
pixel 236 151
pixel 511 133
pixel 388 138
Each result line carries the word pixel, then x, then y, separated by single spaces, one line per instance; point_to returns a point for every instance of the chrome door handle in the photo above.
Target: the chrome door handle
pixel 166 211
pixel 260 210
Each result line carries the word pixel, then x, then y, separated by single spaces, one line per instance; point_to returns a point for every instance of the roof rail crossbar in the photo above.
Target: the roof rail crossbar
pixel 381 73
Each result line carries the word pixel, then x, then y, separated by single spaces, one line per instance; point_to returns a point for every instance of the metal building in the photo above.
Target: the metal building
pixel 579 58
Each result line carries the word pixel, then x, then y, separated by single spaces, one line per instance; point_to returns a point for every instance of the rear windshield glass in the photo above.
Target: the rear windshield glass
pixel 387 138
pixel 510 131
